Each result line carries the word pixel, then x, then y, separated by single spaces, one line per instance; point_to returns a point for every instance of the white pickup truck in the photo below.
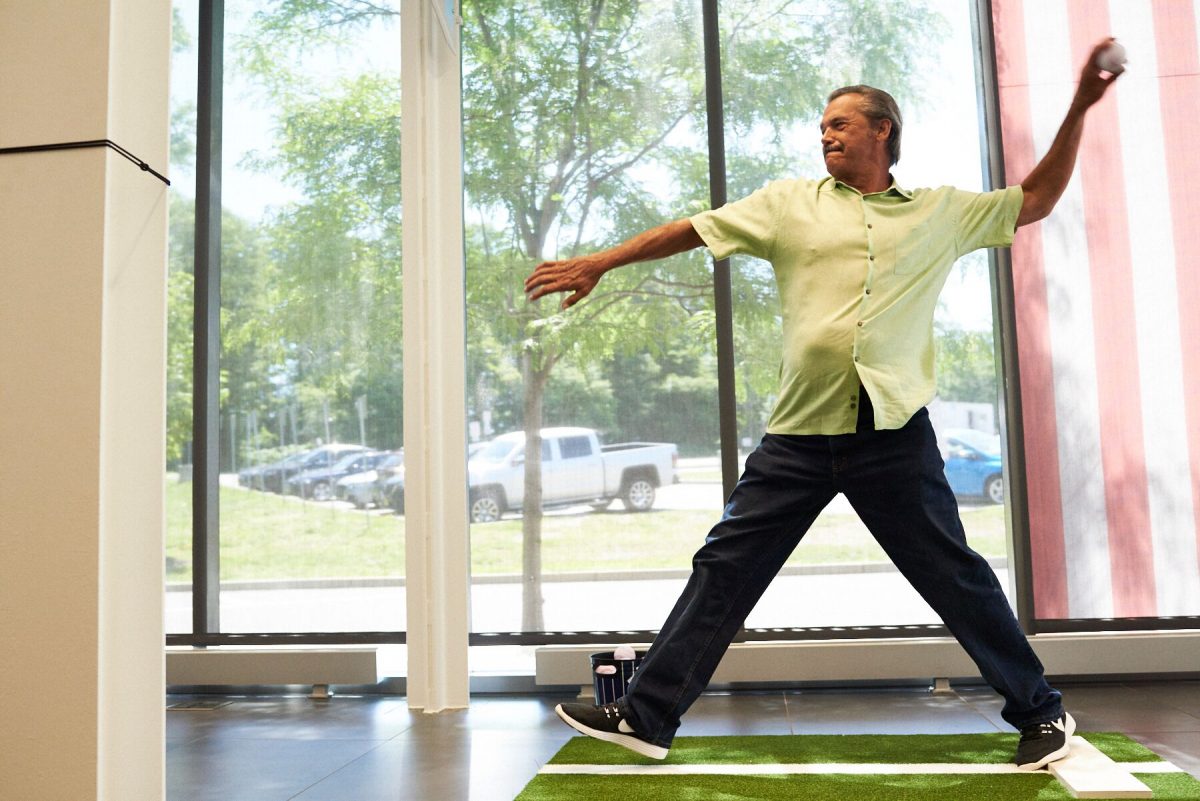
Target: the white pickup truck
pixel 576 469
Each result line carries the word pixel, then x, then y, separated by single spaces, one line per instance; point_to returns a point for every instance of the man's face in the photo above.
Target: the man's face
pixel 850 140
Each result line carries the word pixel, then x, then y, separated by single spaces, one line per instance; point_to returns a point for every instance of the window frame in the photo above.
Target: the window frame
pixel 206 628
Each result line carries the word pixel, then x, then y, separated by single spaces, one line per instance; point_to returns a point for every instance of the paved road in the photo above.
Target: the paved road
pixel 879 598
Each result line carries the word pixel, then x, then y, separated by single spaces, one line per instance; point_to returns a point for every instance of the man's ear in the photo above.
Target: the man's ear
pixel 885 129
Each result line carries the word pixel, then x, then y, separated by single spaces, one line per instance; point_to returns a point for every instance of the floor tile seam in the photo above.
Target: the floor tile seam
pixel 194 740
pixel 412 724
pixel 338 769
pixel 787 713
pixel 312 739
pixel 981 713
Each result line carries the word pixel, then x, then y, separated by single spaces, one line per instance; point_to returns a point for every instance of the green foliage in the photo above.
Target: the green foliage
pixel 584 124
pixel 311 293
pixel 180 339
pixel 966 365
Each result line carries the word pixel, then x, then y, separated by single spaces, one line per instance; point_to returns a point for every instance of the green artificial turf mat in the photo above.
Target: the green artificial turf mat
pixel 1025 787
pixel 996 748
pixel 983 749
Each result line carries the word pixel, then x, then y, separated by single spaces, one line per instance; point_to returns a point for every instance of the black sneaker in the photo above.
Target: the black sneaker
pixel 1043 743
pixel 607 723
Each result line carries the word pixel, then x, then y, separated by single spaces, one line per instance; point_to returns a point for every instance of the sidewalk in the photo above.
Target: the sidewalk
pixel 832 599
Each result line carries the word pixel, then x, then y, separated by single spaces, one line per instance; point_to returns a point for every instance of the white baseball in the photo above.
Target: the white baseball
pixel 1112 58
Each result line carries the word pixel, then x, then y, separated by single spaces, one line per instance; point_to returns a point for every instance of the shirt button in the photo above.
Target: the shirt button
pixel 868 292
pixel 855 358
pixel 870 226
pixel 860 323
pixel 871 257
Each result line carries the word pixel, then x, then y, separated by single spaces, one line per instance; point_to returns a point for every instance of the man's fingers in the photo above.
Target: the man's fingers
pixel 546 286
pixel 541 274
pixel 560 276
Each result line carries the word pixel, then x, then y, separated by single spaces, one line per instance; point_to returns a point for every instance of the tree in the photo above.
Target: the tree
pixel 966 365
pixel 325 331
pixel 565 102
pixel 582 122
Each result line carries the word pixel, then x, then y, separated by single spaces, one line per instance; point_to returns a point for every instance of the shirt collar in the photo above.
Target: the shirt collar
pixel 829 182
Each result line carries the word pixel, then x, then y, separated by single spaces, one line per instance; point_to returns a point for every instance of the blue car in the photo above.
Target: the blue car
pixel 973 465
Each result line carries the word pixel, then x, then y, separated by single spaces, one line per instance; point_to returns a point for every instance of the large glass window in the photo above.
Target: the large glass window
pixel 311 391
pixel 584 126
pixel 635 361
pixel 778 68
pixel 180 304
pixel 312 538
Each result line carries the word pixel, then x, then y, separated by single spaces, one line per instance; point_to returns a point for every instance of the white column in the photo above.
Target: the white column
pixel 435 477
pixel 82 420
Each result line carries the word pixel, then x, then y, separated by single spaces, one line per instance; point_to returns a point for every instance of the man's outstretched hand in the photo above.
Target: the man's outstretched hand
pixel 1094 80
pixel 579 276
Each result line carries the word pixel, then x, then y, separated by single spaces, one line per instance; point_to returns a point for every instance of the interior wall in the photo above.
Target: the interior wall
pixel 82 326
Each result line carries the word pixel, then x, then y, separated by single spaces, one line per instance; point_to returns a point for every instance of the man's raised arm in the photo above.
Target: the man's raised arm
pixel 1045 185
pixel 581 274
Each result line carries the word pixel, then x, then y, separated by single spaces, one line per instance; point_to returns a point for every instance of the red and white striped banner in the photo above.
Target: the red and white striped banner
pixel 1108 307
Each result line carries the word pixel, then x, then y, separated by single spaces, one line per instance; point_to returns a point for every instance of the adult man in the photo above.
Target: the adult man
pixel 860 263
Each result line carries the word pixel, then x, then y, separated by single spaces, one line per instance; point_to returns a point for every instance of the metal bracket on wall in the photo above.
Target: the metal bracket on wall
pixel 4 151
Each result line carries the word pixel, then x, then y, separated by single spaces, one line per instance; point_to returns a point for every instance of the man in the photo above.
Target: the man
pixel 860 263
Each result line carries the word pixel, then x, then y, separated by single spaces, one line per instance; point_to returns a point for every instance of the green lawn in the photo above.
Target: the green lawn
pixel 266 536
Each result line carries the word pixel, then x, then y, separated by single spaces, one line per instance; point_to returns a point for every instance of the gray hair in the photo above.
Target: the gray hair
pixel 878 105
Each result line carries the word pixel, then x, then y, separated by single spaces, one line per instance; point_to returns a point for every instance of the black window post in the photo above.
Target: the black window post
pixel 206 424
pixel 722 286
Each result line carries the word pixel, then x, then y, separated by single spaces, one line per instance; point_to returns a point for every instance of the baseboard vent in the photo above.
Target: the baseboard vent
pixel 233 666
pixel 918 658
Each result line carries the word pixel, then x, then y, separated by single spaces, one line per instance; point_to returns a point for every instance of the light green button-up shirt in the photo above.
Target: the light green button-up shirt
pixel 859 277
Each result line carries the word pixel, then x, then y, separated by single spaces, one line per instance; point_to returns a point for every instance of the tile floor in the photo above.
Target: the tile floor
pixel 369 748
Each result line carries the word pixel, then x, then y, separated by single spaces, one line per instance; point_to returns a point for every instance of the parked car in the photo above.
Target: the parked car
pixel 575 469
pixel 389 489
pixel 973 464
pixel 275 477
pixel 318 483
pixel 359 488
pixel 251 476
pixel 256 477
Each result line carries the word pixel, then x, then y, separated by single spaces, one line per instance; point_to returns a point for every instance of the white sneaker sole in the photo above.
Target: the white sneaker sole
pixel 625 740
pixel 1054 756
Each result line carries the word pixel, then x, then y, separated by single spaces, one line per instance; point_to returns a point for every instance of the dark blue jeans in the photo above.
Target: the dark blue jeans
pixel 895 481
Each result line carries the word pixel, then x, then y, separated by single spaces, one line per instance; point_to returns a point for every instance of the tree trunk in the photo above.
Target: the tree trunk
pixel 532 618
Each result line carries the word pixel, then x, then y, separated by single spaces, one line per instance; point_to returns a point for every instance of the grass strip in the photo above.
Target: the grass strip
pixel 1026 787
pixel 983 748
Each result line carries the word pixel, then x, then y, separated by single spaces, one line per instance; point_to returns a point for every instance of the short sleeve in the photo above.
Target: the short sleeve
pixel 989 219
pixel 744 226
